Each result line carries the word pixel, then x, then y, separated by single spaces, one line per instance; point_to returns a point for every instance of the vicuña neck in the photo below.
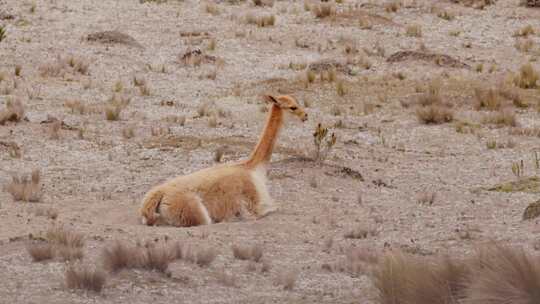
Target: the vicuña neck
pixel 263 151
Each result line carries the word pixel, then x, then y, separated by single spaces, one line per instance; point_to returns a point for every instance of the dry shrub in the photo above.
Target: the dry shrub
pixel 69 253
pixel 157 257
pixel 226 278
pixel 524 45
pixel 487 99
pixel 205 256
pixel 60 236
pixel 82 277
pixel 47 212
pixel 527 77
pixel 70 65
pixel 435 114
pixel 503 275
pixel 261 20
pixel 323 10
pixel 503 117
pixel 360 232
pixel 288 278
pixel 405 279
pixel 14 111
pixel 525 31
pixel 269 3
pixel 413 30
pixel 119 256
pixel 40 252
pixel 26 189
pixel 253 253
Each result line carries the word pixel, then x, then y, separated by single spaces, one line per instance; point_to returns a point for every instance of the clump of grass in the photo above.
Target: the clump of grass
pixel 487 99
pixel 524 45
pixel 502 272
pixel 82 277
pixel 413 30
pixel 218 154
pixel 268 3
pixel 26 189
pixel 323 145
pixel 402 278
pixel 112 112
pixel 392 6
pixel 40 252
pixel 253 253
pixel 435 114
pixel 226 278
pixel 13 112
pixel 128 132
pixel 18 70
pixel 212 9
pixel 288 278
pixel 119 255
pixel 323 10
pixel 503 117
pixel 527 77
pixel 61 236
pixel 360 232
pixel 65 65
pixel 426 198
pixel 525 31
pixel 47 212
pixel 431 108
pixel 340 88
pixel 261 20
pixel 3 33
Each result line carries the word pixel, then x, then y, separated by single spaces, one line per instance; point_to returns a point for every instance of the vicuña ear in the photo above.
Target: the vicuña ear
pixel 270 99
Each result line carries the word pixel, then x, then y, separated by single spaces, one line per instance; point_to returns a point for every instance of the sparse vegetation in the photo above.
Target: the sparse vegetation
pixel 24 188
pixel 82 277
pixel 323 145
pixel 253 253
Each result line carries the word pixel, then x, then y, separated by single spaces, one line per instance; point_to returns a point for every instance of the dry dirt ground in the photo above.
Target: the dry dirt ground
pixel 94 173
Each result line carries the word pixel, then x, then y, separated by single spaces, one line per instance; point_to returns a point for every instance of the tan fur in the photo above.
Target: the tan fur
pixel 225 191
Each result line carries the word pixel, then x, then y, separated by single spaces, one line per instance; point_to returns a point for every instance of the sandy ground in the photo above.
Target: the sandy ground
pixel 96 182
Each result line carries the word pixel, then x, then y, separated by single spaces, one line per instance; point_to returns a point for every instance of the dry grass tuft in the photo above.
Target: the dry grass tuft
pixel 360 232
pixel 81 277
pixel 288 278
pixel 14 111
pixel 503 117
pixel 47 212
pixel 61 67
pixel 323 10
pixel 261 20
pixel 69 253
pixel 269 3
pixel 504 275
pixel 413 30
pixel 25 189
pixel 489 99
pixel 527 77
pixel 435 114
pixel 402 278
pixel 205 256
pixel 525 31
pixel 60 236
pixel 40 252
pixel 253 253
pixel 432 109
pixel 118 256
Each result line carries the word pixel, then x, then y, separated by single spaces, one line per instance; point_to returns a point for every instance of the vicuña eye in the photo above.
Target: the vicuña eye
pixel 294 108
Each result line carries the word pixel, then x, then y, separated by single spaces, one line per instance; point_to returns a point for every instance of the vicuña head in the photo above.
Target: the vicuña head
pixel 225 191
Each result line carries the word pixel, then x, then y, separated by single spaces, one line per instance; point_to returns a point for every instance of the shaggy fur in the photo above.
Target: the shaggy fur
pixel 225 191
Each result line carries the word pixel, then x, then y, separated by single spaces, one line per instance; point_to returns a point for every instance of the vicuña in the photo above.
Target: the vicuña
pixel 224 191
